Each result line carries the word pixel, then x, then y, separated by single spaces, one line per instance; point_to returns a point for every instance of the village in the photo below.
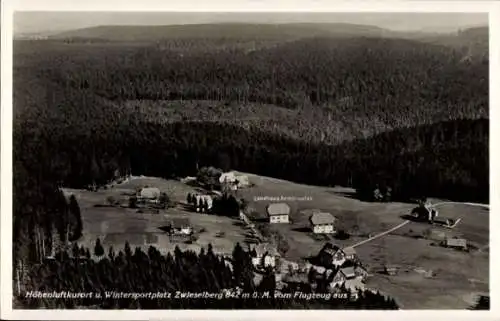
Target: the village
pixel 301 246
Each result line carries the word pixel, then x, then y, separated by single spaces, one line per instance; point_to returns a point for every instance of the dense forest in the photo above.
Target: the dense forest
pixel 352 111
pixel 134 271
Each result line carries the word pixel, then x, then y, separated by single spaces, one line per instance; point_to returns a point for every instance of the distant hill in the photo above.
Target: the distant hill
pixel 222 30
pixel 472 41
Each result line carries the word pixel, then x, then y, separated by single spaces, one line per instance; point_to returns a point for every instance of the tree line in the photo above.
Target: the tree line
pixel 135 271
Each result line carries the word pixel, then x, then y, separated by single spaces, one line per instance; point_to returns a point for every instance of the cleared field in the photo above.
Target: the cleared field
pixel 457 276
pixel 117 225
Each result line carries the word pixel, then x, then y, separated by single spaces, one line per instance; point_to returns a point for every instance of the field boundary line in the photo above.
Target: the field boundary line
pixel 380 234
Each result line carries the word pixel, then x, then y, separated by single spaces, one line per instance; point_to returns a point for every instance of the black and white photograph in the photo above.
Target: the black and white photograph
pixel 218 160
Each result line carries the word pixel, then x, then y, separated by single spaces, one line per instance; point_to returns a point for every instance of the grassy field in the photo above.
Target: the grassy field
pixel 457 277
pixel 116 225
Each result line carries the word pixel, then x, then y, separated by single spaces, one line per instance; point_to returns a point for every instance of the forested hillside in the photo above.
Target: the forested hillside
pixel 228 31
pixel 338 88
pixel 352 111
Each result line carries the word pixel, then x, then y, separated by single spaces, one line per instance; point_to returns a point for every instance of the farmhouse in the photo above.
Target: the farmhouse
pixel 264 255
pixel 456 243
pixel 180 226
pixel 351 277
pixel 149 193
pixel 242 181
pixel 322 223
pixel 227 178
pixel 278 213
pixel 331 255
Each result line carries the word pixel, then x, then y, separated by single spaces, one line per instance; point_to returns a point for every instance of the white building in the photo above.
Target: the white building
pixel 351 277
pixel 243 181
pixel 227 178
pixel 278 213
pixel 322 223
pixel 266 255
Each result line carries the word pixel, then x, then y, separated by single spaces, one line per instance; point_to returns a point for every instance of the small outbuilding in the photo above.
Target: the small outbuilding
pixel 180 226
pixel 456 243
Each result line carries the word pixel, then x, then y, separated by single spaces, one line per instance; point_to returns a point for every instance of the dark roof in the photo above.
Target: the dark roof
pixel 330 248
pixel 322 218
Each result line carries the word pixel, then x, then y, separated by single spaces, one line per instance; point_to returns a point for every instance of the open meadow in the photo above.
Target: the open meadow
pixel 115 225
pixel 457 276
pixel 445 278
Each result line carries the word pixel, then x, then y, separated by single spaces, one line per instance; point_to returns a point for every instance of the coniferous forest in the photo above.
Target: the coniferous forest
pixel 358 111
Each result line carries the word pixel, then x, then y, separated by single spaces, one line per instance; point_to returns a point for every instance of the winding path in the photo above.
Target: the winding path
pixel 407 221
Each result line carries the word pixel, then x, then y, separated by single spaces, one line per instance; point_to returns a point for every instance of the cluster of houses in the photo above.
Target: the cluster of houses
pixel 338 266
pixel 320 222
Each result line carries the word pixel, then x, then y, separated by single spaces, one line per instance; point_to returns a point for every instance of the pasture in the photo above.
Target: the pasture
pixel 457 276
pixel 115 225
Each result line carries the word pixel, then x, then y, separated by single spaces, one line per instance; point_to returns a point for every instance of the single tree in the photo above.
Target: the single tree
pixel 74 210
pixel 98 249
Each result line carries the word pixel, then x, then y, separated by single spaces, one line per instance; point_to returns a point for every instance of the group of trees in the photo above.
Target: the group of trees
pixel 200 204
pixel 44 219
pixel 136 271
